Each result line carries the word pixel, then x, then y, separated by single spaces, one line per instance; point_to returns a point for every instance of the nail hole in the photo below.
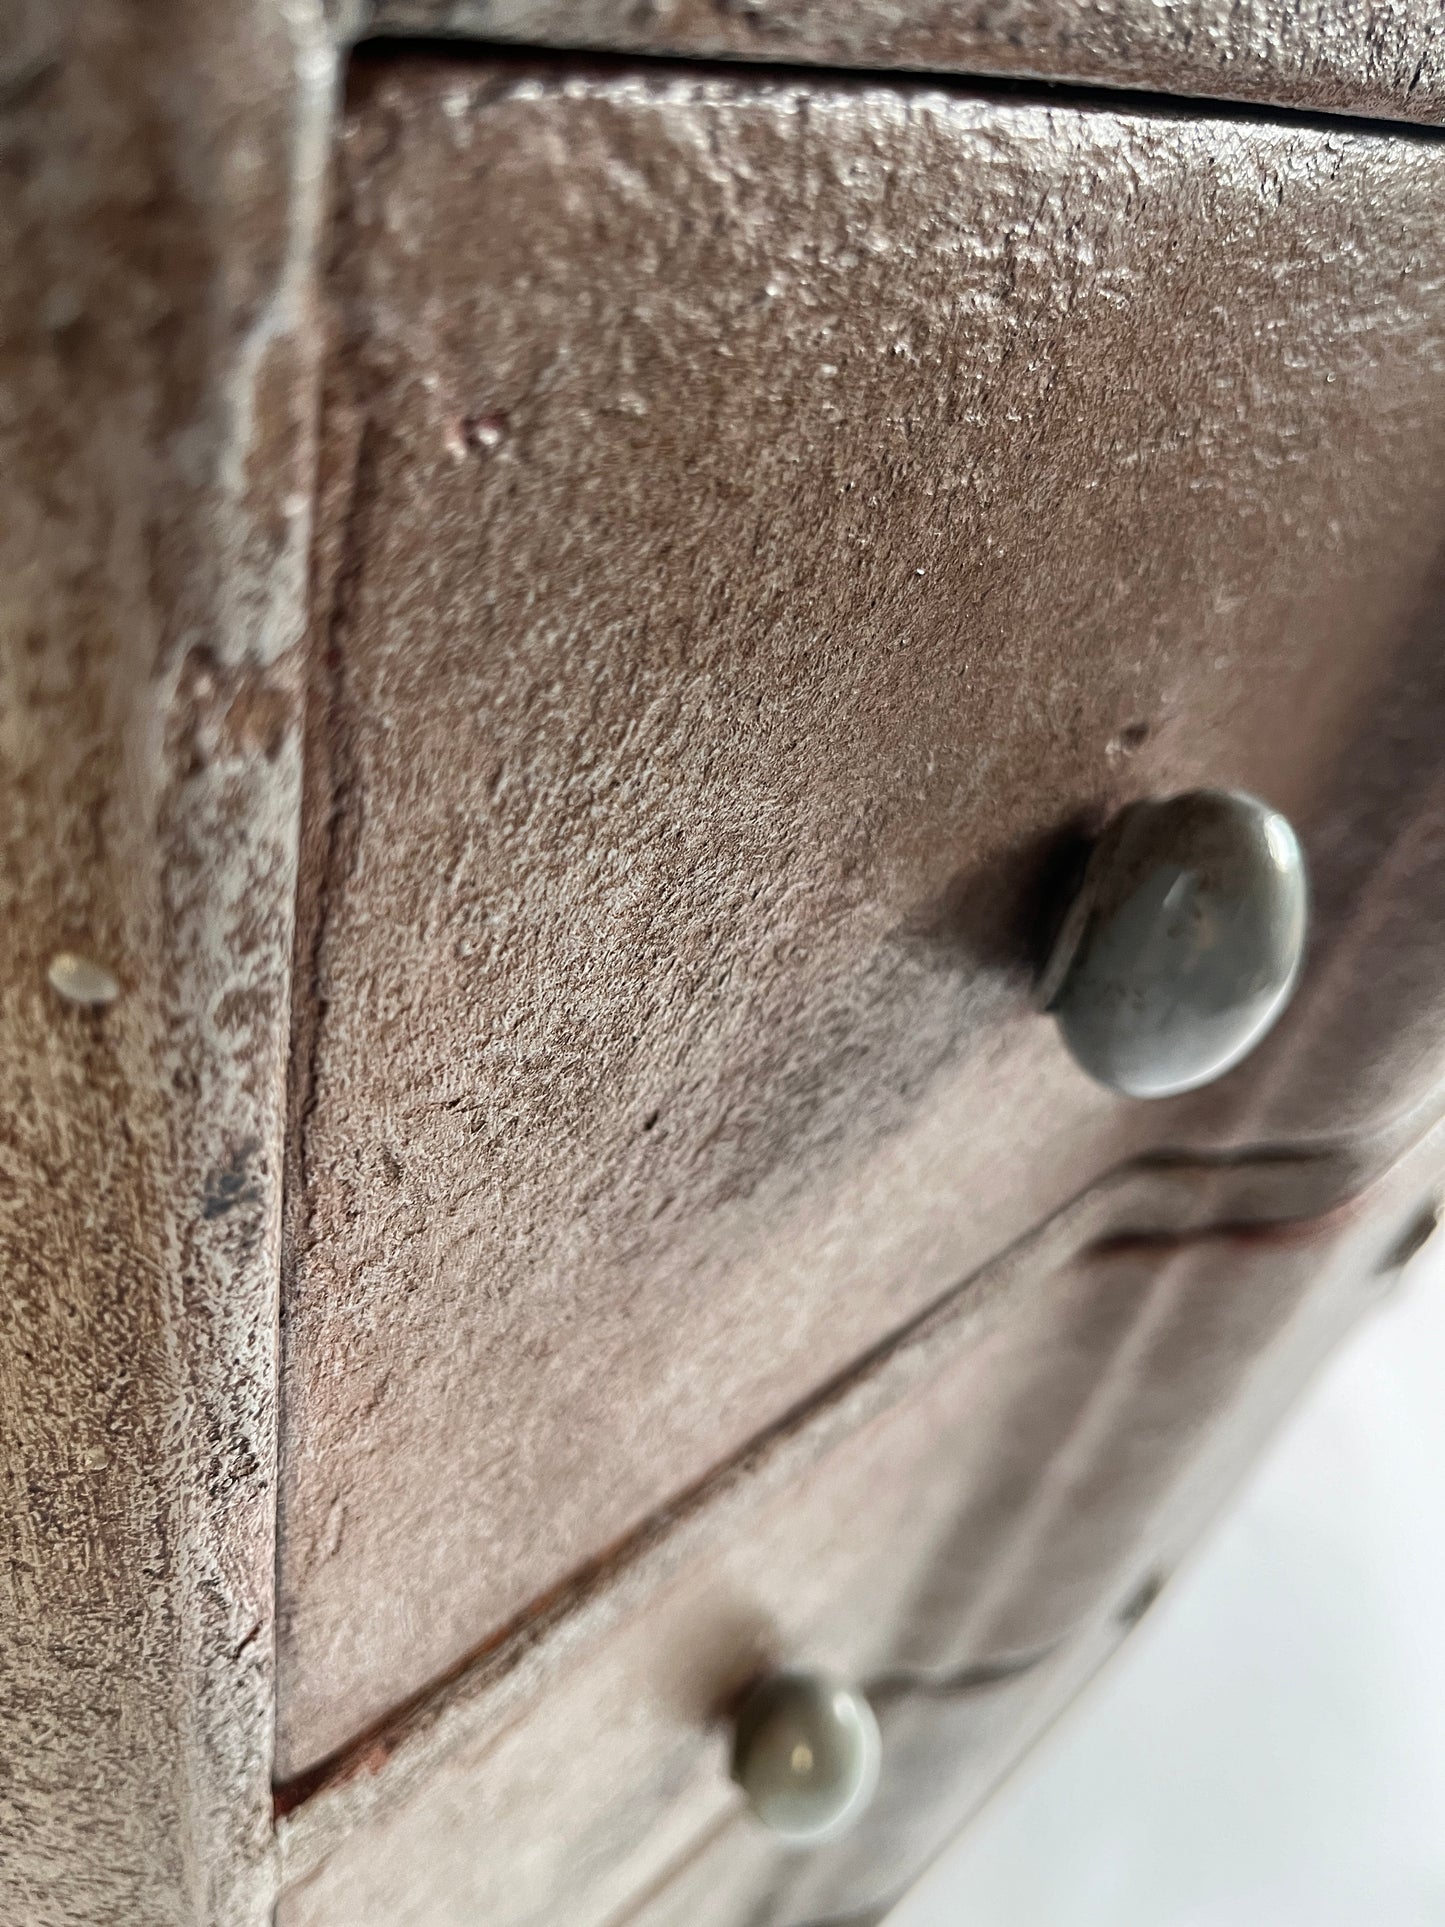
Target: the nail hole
pixel 649 1123
pixel 80 981
pixel 1130 738
pixel 477 434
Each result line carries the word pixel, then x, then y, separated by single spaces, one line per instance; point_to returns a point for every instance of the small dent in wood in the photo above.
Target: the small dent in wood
pixel 1128 742
pixel 476 434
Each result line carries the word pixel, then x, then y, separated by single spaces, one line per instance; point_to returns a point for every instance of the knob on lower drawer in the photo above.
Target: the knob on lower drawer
pixel 1183 944
pixel 806 1754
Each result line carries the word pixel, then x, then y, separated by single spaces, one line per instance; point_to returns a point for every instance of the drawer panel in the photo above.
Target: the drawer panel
pixel 970 1553
pixel 765 521
pixel 1338 57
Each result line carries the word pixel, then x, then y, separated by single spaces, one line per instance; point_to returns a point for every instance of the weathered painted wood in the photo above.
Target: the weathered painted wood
pixel 1372 57
pixel 765 518
pixel 159 206
pixel 966 1528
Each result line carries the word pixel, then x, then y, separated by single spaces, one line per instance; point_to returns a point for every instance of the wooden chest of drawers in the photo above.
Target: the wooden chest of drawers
pixel 765 519
pixel 570 617
pixel 969 1524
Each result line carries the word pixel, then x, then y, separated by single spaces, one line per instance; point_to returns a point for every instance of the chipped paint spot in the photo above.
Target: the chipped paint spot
pixel 231 1184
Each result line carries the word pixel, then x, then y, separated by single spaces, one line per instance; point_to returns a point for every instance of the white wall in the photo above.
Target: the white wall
pixel 1269 1748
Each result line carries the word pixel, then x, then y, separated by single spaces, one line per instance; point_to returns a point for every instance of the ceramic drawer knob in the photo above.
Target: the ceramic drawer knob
pixel 806 1754
pixel 1183 944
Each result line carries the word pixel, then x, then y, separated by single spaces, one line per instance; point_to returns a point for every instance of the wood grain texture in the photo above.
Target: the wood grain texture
pixel 159 201
pixel 765 520
pixel 1333 56
pixel 966 1530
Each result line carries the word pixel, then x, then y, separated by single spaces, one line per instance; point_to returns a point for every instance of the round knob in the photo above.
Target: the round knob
pixel 1184 942
pixel 806 1753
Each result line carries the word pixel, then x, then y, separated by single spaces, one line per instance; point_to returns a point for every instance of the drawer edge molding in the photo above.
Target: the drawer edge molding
pixel 1384 62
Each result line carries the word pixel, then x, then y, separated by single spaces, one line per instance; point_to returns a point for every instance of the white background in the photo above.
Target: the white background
pixel 1269 1748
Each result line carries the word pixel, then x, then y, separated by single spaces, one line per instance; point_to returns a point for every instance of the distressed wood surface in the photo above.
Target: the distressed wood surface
pixel 970 1534
pixel 159 200
pixel 950 1740
pixel 1371 57
pixel 394 1762
pixel 764 521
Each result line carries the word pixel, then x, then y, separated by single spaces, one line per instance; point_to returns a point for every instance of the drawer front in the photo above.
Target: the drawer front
pixel 1339 57
pixel 969 1554
pixel 764 522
